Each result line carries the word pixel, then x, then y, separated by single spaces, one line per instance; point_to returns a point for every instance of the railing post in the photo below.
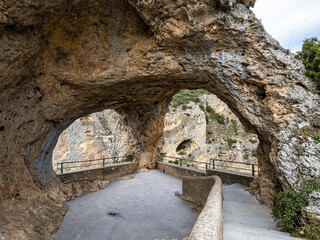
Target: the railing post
pixel 180 162
pixel 252 168
pixel 206 167
pixel 132 157
pixel 209 163
pixel 61 167
pixel 103 163
pixel 212 163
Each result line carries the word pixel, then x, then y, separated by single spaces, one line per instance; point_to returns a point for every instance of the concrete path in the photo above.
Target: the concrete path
pixel 144 207
pixel 246 219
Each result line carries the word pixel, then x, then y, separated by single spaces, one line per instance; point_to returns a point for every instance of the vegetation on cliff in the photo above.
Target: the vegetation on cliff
pixel 187 96
pixel 310 55
pixel 288 209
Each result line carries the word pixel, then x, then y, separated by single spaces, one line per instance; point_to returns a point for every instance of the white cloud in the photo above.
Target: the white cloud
pixel 290 22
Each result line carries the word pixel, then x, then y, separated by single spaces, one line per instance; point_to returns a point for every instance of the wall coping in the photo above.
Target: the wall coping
pixel 209 225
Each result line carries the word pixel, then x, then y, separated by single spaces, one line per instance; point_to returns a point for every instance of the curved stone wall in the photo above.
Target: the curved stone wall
pixel 209 224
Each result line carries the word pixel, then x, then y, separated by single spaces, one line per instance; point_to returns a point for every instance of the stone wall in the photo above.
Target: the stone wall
pixel 227 177
pixel 179 172
pixel 106 173
pixel 209 224
pixel 230 177
pixel 197 189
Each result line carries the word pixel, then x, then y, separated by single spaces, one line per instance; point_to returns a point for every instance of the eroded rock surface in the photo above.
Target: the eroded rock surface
pixel 61 60
pixel 96 136
pixel 185 133
pixel 193 133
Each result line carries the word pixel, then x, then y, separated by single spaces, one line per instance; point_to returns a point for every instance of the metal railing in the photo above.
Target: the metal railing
pixel 184 162
pixel 252 169
pixel 101 162
pixel 207 165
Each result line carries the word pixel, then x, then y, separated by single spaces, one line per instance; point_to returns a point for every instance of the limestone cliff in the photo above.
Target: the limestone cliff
pixel 193 133
pixel 185 132
pixel 96 136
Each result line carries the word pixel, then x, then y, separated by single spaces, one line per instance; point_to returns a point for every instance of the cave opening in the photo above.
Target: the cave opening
pixel 184 145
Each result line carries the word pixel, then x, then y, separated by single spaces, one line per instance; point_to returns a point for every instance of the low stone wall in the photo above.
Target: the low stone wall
pixel 106 173
pixel 209 225
pixel 205 188
pixel 231 177
pixel 227 177
pixel 197 189
pixel 179 172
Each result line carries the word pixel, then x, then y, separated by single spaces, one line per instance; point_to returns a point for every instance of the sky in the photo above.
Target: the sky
pixel 290 21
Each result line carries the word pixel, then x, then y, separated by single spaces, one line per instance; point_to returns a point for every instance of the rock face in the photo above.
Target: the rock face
pixel 229 141
pixel 96 136
pixel 61 60
pixel 187 134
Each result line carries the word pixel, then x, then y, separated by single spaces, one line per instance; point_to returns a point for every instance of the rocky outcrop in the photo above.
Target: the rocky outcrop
pixel 61 60
pixel 230 140
pixel 312 210
pixel 191 132
pixel 184 134
pixel 96 136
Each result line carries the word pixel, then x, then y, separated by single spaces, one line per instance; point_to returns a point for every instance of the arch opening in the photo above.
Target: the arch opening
pixel 201 127
pixel 97 140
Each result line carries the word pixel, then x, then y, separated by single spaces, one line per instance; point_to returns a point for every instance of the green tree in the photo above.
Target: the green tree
pixel 310 55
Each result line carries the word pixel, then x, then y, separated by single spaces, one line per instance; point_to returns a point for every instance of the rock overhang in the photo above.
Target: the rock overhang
pixel 63 60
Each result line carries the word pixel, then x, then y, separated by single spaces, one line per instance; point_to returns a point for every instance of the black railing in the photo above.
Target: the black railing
pixel 207 165
pixel 253 165
pixel 184 162
pixel 101 162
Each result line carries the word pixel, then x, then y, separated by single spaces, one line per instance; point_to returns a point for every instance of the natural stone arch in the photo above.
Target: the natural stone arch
pixel 62 60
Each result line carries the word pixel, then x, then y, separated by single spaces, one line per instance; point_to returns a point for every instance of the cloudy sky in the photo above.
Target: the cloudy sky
pixel 290 21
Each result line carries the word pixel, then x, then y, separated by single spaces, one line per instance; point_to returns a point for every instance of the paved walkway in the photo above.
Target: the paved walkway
pixel 144 208
pixel 246 219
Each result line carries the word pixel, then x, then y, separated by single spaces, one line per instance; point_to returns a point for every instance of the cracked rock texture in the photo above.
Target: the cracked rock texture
pixel 185 126
pixel 312 210
pixel 61 60
pixel 96 136
pixel 204 140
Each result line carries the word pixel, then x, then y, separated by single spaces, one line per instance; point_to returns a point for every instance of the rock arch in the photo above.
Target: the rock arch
pixel 61 60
